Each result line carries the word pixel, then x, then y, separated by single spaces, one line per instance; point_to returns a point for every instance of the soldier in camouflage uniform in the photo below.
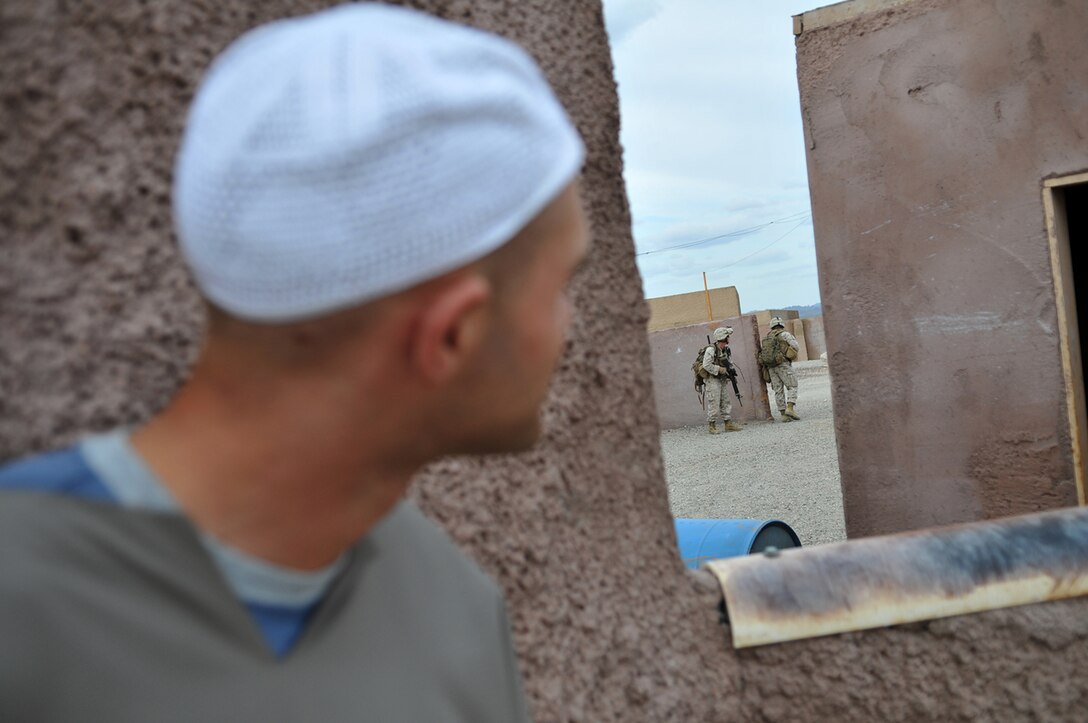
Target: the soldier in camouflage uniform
pixel 779 373
pixel 717 363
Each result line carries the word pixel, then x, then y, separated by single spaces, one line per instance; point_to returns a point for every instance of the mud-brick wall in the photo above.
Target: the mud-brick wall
pixel 930 127
pixel 98 322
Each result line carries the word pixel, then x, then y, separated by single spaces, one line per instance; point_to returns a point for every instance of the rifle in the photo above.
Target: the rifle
pixel 731 373
pixel 733 378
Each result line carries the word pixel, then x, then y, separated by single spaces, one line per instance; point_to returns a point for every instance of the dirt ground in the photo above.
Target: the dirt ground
pixel 770 470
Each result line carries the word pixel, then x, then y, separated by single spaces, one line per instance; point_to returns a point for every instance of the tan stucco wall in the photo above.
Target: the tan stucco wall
pixel 797 328
pixel 763 318
pixel 673 350
pixel 930 127
pixel 98 323
pixel 814 336
pixel 686 309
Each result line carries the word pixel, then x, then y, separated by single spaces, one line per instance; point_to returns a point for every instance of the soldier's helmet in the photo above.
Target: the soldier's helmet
pixel 722 333
pixel 777 321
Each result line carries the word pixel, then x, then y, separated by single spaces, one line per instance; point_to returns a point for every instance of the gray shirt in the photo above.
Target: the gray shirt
pixel 253 580
pixel 119 614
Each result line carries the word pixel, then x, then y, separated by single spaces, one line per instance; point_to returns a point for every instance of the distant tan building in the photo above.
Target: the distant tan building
pixel 763 318
pixel 671 312
pixel 667 312
pixel 763 321
pixel 809 331
pixel 815 340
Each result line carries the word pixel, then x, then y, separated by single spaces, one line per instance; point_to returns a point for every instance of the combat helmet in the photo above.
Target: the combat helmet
pixel 722 333
pixel 777 321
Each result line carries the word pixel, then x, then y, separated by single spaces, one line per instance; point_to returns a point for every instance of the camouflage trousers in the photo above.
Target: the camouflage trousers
pixel 718 403
pixel 784 384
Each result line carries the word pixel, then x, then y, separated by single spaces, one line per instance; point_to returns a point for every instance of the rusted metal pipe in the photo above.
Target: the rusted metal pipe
pixel 908 577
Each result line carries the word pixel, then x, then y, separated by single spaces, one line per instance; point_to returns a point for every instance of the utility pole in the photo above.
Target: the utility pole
pixel 709 311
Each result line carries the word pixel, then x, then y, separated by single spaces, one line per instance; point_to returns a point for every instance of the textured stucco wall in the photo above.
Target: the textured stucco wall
pixel 667 312
pixel 98 322
pixel 1020 664
pixel 930 127
pixel 673 350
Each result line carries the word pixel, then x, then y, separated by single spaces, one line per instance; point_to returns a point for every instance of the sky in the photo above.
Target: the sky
pixel 714 155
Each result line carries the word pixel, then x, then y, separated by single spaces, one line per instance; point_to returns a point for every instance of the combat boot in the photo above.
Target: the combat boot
pixel 782 416
pixel 789 411
pixel 731 426
pixel 712 427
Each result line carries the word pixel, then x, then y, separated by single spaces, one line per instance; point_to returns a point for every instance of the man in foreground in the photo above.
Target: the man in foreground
pixel 380 210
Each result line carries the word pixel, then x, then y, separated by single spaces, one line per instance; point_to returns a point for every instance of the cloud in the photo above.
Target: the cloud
pixel 718 224
pixel 764 266
pixel 622 17
pixel 713 144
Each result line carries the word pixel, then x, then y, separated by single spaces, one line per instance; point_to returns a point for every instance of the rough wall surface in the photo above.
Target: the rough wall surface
pixel 98 322
pixel 673 350
pixel 930 128
pixel 1019 664
pixel 667 312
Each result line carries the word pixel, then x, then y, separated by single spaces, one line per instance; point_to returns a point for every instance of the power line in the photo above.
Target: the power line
pixel 729 234
pixel 772 243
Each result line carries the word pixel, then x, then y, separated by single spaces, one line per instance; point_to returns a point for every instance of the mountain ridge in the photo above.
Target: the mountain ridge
pixel 807 311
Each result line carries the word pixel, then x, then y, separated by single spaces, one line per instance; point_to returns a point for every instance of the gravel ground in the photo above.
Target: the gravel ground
pixel 770 470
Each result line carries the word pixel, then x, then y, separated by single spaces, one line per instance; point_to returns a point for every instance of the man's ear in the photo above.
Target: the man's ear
pixel 450 328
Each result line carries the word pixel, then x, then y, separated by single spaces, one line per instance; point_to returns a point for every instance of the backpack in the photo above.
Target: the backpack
pixel 697 368
pixel 771 353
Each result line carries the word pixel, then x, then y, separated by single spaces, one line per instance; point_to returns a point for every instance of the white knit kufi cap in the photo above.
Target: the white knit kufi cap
pixel 339 157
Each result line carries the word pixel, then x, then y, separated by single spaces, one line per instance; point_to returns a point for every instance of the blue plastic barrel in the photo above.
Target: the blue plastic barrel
pixel 703 540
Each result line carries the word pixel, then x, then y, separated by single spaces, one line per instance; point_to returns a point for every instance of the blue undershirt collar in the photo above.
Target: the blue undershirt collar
pixel 253 580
